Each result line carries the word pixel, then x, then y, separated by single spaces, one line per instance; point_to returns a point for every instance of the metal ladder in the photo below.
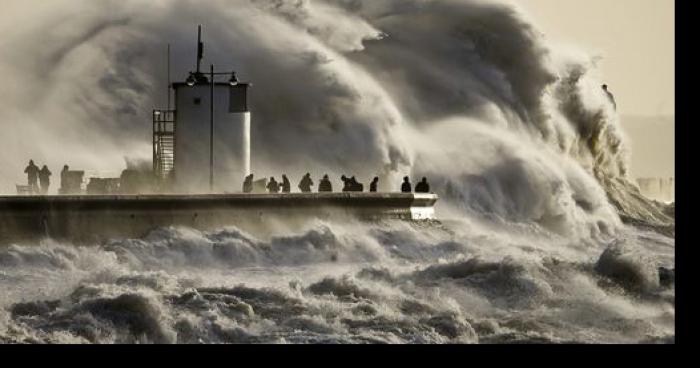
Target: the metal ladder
pixel 163 143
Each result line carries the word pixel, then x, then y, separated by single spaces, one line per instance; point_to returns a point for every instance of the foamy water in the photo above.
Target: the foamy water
pixel 390 282
pixel 516 136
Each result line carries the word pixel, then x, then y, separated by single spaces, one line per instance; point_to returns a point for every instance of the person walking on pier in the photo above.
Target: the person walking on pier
pixel 286 185
pixel 325 185
pixel 273 186
pixel 306 183
pixel 423 186
pixel 373 185
pixel 32 172
pixel 406 186
pixel 44 181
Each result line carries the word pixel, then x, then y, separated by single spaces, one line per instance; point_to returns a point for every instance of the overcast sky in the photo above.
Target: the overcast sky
pixel 636 39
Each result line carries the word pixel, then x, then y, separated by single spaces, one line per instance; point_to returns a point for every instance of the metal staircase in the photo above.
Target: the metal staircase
pixel 163 143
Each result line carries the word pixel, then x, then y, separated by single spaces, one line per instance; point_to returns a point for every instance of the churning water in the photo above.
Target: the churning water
pixel 516 136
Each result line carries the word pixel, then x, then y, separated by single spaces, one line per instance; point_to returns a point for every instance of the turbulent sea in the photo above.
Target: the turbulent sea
pixel 542 237
pixel 394 282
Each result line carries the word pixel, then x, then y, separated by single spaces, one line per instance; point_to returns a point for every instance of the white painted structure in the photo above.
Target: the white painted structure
pixel 231 137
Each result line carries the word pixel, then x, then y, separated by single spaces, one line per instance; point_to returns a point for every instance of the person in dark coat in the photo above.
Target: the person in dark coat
pixel 347 184
pixel 373 185
pixel 306 183
pixel 248 184
pixel 423 186
pixel 64 176
pixel 356 186
pixel 286 185
pixel 406 186
pixel 44 181
pixel 273 186
pixel 32 172
pixel 325 184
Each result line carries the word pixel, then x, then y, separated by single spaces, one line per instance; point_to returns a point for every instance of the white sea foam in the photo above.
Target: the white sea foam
pixel 515 135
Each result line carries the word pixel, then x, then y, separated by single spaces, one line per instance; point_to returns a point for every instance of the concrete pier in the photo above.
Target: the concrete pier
pixel 87 219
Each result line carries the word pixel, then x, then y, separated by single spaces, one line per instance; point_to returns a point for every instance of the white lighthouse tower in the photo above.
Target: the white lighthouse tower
pixel 203 146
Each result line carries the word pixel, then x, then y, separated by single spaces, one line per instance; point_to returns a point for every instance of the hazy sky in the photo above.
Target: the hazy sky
pixel 636 39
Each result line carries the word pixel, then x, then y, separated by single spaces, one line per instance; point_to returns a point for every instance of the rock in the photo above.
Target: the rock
pixel 629 268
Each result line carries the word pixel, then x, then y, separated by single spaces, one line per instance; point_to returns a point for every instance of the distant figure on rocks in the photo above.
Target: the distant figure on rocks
pixel 325 184
pixel 32 172
pixel 423 186
pixel 406 186
pixel 248 184
pixel 286 185
pixel 373 185
pixel 44 181
pixel 273 186
pixel 610 95
pixel 306 183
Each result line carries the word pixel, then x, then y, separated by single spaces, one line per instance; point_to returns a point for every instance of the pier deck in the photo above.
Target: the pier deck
pixel 95 218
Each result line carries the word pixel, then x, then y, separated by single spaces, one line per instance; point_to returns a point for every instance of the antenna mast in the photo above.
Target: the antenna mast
pixel 200 49
pixel 169 80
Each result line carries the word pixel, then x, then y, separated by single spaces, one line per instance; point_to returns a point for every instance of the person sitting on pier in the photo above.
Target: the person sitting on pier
pixel 406 186
pixel 373 185
pixel 286 185
pixel 273 186
pixel 306 183
pixel 44 175
pixel 248 184
pixel 32 172
pixel 325 184
pixel 423 186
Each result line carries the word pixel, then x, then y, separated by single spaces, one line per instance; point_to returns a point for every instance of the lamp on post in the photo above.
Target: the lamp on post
pixel 211 130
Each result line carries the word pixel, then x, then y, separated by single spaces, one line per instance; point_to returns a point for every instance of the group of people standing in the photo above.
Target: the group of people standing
pixel 38 180
pixel 325 186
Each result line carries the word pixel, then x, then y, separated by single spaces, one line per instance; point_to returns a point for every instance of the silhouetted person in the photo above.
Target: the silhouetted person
pixel 347 184
pixel 286 185
pixel 373 185
pixel 423 186
pixel 610 96
pixel 273 186
pixel 325 184
pixel 406 186
pixel 64 176
pixel 356 186
pixel 248 184
pixel 44 181
pixel 32 172
pixel 306 183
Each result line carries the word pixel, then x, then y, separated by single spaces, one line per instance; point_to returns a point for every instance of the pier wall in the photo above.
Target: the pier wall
pixel 89 219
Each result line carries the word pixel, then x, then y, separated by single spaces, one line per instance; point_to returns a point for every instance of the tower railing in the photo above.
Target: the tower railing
pixel 164 122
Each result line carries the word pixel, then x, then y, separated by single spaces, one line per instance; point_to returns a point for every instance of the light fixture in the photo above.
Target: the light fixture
pixel 191 80
pixel 234 79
